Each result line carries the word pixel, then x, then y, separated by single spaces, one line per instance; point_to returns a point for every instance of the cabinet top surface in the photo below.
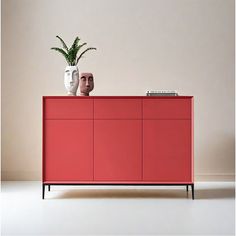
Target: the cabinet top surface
pixel 119 97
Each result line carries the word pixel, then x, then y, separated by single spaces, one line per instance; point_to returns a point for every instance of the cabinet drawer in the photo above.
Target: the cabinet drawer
pixel 68 108
pixel 167 108
pixel 117 108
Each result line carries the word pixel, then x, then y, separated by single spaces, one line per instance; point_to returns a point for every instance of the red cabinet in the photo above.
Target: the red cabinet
pixel 118 150
pixel 118 140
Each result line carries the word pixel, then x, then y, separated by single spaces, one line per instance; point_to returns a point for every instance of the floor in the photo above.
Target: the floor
pixel 101 210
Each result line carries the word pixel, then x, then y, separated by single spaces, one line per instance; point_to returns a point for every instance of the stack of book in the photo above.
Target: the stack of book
pixel 162 93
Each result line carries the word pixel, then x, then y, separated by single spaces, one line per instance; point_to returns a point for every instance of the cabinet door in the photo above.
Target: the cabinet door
pixel 68 150
pixel 167 150
pixel 117 150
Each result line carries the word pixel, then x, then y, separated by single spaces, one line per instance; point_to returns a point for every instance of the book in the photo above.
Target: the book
pixel 161 93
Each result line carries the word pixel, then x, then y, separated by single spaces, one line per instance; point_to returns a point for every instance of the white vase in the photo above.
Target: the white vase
pixel 71 80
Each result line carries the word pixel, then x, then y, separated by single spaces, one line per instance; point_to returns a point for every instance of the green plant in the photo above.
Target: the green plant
pixel 70 54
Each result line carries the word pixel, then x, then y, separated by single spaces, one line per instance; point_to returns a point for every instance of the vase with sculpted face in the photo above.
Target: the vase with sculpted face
pixel 86 83
pixel 71 80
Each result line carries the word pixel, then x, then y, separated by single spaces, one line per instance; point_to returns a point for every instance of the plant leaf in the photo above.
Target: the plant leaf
pixel 80 46
pixel 83 53
pixel 72 55
pixel 63 53
pixel 72 52
pixel 63 43
pixel 75 43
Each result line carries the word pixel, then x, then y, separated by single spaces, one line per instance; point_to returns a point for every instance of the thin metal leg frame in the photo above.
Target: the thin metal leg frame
pixel 192 185
pixel 49 185
pixel 43 190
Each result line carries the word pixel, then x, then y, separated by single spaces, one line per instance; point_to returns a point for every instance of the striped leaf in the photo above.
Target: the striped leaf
pixel 84 53
pixel 63 53
pixel 63 43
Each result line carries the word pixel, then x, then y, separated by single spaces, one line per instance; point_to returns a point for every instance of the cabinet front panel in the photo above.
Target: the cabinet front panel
pixel 117 108
pixel 167 108
pixel 68 150
pixel 68 108
pixel 167 150
pixel 117 150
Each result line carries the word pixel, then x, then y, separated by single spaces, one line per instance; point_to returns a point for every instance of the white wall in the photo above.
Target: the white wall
pixel 186 45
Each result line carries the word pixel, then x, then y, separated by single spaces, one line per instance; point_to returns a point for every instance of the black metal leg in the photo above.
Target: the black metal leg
pixel 43 189
pixel 49 187
pixel 192 185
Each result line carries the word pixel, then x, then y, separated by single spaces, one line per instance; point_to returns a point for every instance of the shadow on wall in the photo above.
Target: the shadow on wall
pixel 200 194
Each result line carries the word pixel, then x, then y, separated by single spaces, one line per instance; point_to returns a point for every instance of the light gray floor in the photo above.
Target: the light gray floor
pixel 118 210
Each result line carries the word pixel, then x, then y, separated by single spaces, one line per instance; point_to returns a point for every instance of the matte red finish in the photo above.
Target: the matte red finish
pixel 117 108
pixel 68 108
pixel 114 139
pixel 118 150
pixel 68 150
pixel 167 150
pixel 167 108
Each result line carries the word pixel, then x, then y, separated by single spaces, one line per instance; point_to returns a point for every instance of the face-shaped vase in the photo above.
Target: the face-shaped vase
pixel 86 83
pixel 71 80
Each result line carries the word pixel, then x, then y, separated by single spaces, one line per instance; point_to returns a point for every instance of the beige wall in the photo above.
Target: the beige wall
pixel 186 45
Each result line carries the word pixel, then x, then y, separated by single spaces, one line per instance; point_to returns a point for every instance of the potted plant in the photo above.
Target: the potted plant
pixel 71 76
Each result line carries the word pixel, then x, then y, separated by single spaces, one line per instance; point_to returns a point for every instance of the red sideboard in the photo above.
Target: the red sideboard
pixel 118 140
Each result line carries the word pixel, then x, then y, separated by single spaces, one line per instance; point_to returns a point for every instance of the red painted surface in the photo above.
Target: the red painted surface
pixel 138 182
pixel 128 139
pixel 117 109
pixel 167 150
pixel 68 108
pixel 167 108
pixel 68 150
pixel 117 150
